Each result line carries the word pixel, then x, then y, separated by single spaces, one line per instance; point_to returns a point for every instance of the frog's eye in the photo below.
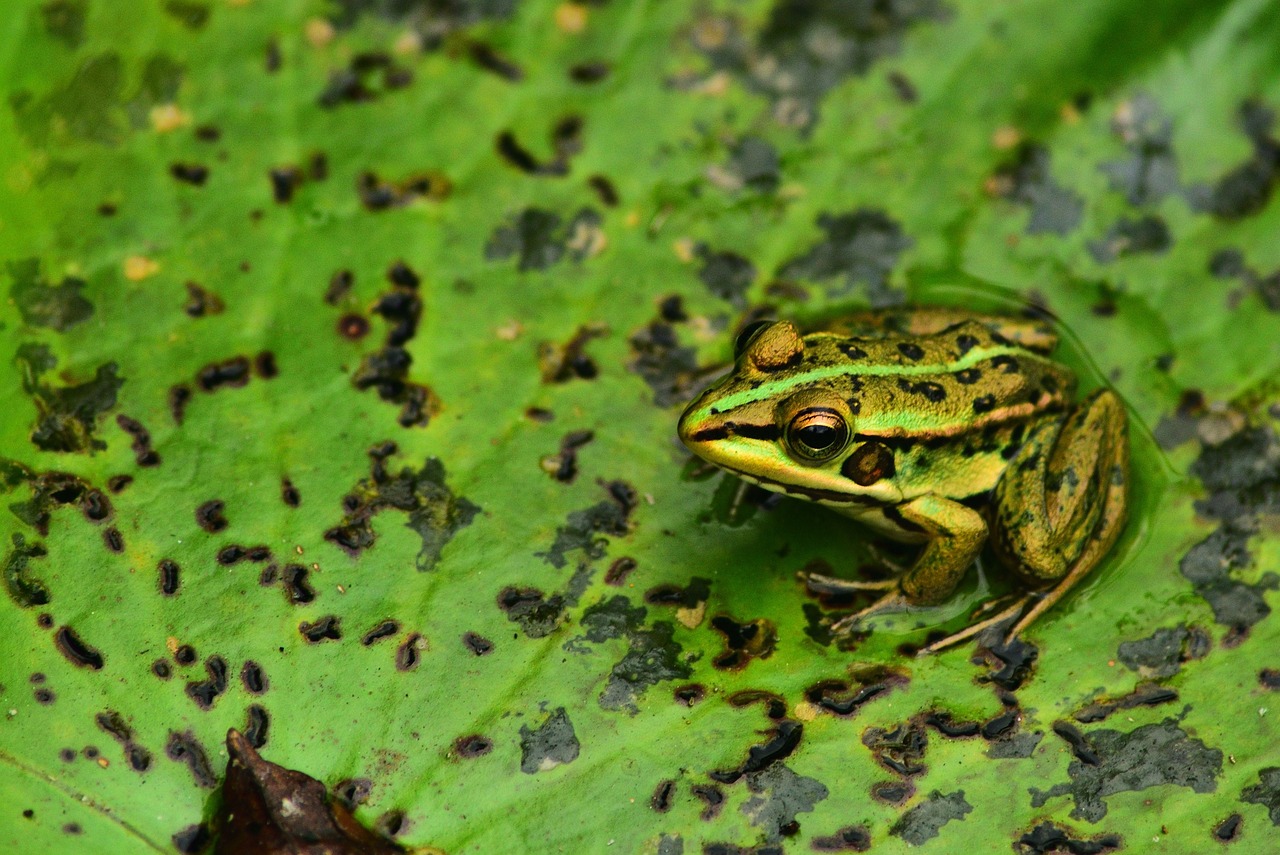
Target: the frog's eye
pixel 748 333
pixel 817 434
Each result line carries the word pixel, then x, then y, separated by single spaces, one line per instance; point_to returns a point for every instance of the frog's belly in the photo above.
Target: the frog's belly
pixel 886 522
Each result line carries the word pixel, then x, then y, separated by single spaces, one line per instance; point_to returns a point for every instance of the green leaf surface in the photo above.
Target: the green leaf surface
pixel 343 344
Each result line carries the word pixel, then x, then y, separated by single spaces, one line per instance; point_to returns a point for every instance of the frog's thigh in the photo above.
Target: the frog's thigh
pixel 1062 499
pixel 956 533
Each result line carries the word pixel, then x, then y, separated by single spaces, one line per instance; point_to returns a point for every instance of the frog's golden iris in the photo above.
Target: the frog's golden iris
pixel 936 427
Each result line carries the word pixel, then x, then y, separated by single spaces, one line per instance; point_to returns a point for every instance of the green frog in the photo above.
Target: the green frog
pixel 937 427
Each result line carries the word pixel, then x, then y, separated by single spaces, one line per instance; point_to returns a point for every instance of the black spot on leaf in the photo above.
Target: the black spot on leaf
pixel 1266 793
pixel 185 748
pixel 585 530
pixel 540 238
pixel 861 248
pixel 42 304
pixel 66 416
pixel 924 821
pixel 1149 756
pixel 434 512
pixel 1028 181
pixel 25 591
pixel 1131 237
pixel 551 744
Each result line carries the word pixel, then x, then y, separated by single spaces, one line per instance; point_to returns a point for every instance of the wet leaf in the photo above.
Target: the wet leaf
pixel 341 348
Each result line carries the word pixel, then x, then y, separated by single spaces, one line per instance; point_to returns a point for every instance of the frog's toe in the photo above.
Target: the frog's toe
pixel 829 586
pixel 892 601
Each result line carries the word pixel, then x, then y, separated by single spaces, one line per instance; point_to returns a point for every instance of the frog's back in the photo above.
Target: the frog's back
pixel 960 380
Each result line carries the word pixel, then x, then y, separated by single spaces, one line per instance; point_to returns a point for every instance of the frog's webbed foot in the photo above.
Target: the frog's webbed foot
pixel 892 601
pixel 979 626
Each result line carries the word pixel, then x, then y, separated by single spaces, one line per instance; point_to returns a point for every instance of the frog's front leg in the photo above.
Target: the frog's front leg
pixel 955 535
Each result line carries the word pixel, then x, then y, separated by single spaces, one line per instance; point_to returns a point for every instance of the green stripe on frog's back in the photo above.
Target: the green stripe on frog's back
pixel 919 386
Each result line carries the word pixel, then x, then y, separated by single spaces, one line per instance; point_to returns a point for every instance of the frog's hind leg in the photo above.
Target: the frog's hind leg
pixel 1062 502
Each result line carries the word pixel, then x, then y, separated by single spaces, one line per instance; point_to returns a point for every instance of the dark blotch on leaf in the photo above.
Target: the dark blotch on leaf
pixel 233 373
pixel 1266 793
pixel 474 745
pixel 170 576
pixel 923 822
pixel 484 56
pixel 113 723
pixel 900 750
pixel 1028 180
pixel 253 678
pixel 41 304
pixel 1229 829
pixel 689 695
pixel 540 238
pixel 201 301
pixel 851 838
pixel 76 650
pixel 551 744
pixel 605 190
pixel 564 466
pixel 806 48
pixel 726 275
pixel 354 327
pixel 192 840
pixel 379 194
pixel 66 416
pixel 744 641
pixel 297 590
pixel 1242 478
pixel 477 644
pixel 670 370
pixel 352 792
pixel 340 285
pixel 537 614
pixel 434 511
pixel 1014 659
pixel 179 397
pixel 589 72
pixel 583 529
pixel 660 801
pixel 25 591
pixel 257 722
pixel 1130 237
pixel 190 173
pixel 860 248
pixel 1151 755
pixel 327 628
pixel 784 739
pixel 712 797
pixel 185 748
pixel 383 629
pixel 619 570
pixel 285 180
pixel 1047 837
pixel 408 654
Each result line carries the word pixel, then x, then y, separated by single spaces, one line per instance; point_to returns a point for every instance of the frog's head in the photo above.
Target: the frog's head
pixel 778 420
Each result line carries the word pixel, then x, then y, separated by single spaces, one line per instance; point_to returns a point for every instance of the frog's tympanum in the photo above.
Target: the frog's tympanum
pixel 936 427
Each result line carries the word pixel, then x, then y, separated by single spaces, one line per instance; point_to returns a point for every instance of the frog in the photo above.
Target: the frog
pixel 940 427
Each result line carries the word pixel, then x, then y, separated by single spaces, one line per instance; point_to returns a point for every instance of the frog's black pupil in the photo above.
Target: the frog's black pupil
pixel 819 436
pixel 748 333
